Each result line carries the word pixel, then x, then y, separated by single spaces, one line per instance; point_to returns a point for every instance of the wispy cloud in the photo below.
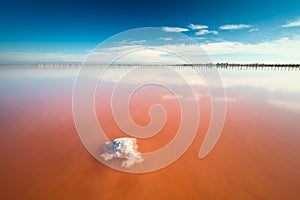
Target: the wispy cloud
pixel 295 23
pixel 253 30
pixel 197 26
pixel 32 57
pixel 234 26
pixel 174 29
pixel 131 42
pixel 165 38
pixel 205 32
pixel 283 50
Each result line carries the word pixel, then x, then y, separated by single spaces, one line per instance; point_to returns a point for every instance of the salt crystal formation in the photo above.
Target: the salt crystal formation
pixel 122 148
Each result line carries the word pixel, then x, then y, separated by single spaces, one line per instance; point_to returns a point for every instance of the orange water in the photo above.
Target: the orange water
pixel 41 156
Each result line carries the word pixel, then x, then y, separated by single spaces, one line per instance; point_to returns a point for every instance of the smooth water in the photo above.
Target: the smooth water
pixel 256 156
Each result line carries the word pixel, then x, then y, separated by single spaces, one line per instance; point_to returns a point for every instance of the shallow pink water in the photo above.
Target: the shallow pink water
pixel 41 156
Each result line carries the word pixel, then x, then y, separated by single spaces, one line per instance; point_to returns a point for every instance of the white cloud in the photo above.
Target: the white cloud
pixel 279 46
pixel 283 50
pixel 31 57
pixel 295 23
pixel 165 38
pixel 131 42
pixel 174 29
pixel 197 26
pixel 205 32
pixel 253 30
pixel 234 26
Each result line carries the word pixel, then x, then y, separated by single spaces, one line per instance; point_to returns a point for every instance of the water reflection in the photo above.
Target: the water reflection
pixel 257 155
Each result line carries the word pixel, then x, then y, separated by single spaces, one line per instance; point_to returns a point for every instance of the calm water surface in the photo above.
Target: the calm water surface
pixel 256 157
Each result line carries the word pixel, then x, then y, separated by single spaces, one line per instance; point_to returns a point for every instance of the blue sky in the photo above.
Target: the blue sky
pixel 71 28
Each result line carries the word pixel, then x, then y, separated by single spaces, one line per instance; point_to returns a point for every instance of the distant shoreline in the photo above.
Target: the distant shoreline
pixel 206 65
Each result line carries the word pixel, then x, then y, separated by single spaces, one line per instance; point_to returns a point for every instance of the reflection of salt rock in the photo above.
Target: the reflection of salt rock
pixel 122 148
